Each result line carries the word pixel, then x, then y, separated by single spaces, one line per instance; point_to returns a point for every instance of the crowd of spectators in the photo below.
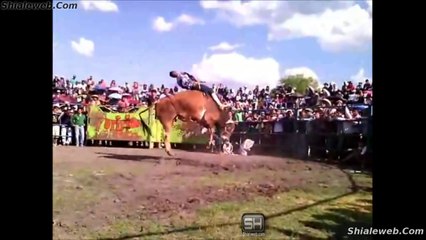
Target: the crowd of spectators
pixel 256 105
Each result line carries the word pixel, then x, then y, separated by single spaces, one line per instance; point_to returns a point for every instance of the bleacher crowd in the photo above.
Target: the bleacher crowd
pixel 257 104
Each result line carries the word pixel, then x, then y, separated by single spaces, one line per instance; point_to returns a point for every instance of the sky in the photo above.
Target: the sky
pixel 232 42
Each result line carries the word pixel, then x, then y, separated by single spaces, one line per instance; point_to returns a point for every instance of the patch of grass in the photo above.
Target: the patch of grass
pixel 363 180
pixel 235 178
pixel 297 214
pixel 78 188
pixel 77 191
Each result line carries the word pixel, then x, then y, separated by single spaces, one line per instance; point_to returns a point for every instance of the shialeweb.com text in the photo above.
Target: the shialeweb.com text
pixel 384 231
pixel 11 5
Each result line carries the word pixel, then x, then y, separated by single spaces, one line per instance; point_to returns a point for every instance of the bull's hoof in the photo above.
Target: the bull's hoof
pixel 170 153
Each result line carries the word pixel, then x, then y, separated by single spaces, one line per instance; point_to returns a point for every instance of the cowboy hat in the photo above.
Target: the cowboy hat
pixel 326 92
pixel 325 100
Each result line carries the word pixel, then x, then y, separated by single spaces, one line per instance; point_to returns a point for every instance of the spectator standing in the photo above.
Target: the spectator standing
pixel 66 131
pixel 368 99
pixel 126 88
pixel 79 121
pixel 367 84
pixel 56 112
pixel 135 90
pixel 113 84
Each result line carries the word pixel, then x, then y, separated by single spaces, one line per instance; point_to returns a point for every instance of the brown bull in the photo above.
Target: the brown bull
pixel 191 106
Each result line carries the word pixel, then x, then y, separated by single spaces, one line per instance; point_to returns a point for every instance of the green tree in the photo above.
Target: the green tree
pixel 299 82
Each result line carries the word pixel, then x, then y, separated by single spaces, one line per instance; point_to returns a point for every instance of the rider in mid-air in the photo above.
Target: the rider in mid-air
pixel 189 82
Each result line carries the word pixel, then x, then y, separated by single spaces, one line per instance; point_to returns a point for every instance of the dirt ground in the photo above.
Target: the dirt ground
pixel 94 187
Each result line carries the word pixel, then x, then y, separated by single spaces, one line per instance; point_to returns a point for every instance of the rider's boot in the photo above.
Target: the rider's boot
pixel 218 102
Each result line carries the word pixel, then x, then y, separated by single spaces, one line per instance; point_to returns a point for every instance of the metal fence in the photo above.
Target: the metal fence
pixel 319 138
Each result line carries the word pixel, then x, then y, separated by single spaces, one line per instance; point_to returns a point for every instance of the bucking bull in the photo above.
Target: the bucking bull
pixel 196 104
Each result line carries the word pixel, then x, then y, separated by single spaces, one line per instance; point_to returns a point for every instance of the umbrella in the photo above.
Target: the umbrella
pixel 99 87
pixel 97 91
pixel 64 99
pixel 59 89
pixel 360 106
pixel 368 92
pixel 336 98
pixel 133 101
pixel 115 89
pixel 296 95
pixel 115 96
pixel 126 95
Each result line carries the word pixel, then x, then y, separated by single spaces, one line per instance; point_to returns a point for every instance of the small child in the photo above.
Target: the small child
pixel 227 147
pixel 246 147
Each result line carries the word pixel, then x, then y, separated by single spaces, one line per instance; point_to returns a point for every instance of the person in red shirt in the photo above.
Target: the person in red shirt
pixel 123 103
pixel 350 86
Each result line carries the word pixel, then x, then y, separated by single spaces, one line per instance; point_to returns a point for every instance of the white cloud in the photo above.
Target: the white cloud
pixel 337 25
pixel 84 47
pixel 189 20
pixel 334 30
pixel 236 69
pixel 305 71
pixel 225 46
pixel 160 24
pixel 103 6
pixel 370 6
pixel 360 76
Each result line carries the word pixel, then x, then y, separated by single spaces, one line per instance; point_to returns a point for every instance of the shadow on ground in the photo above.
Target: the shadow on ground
pixel 334 220
pixel 139 158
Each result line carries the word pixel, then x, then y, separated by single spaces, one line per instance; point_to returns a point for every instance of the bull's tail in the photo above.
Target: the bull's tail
pixel 145 128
